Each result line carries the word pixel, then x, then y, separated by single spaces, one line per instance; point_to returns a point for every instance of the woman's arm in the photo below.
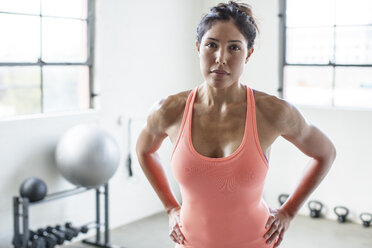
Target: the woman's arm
pixel 292 126
pixel 312 142
pixel 148 142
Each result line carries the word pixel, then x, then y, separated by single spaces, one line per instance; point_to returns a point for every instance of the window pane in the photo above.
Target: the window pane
pixel 65 8
pixel 66 88
pixel 20 6
pixel 64 40
pixel 354 45
pixel 353 87
pixel 355 12
pixel 309 45
pixel 308 85
pixel 20 38
pixel 310 13
pixel 19 90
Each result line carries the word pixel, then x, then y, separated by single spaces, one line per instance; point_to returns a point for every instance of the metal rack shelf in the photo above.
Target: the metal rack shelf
pixel 21 239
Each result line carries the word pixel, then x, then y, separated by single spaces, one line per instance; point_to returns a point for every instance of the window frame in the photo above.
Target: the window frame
pixel 90 55
pixel 283 62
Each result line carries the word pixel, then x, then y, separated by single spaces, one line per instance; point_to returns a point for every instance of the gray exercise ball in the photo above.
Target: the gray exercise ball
pixel 87 155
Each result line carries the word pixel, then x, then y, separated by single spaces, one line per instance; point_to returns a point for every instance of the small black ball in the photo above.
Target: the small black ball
pixel 33 188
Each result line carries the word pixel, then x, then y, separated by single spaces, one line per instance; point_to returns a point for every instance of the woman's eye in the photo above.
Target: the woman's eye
pixel 236 48
pixel 211 45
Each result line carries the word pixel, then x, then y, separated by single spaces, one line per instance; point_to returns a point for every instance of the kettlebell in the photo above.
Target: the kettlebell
pixel 366 223
pixel 315 208
pixel 341 217
pixel 282 198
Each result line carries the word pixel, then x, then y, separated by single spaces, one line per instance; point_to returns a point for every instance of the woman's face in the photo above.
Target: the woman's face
pixel 223 53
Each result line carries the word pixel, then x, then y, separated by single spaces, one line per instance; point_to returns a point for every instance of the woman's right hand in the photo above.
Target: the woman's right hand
pixel 175 226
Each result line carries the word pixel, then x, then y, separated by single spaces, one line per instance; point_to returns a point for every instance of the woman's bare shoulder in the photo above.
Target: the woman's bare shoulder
pixel 273 108
pixel 173 106
pixel 167 111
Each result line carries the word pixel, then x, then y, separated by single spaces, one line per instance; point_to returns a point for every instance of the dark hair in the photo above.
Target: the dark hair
pixel 240 13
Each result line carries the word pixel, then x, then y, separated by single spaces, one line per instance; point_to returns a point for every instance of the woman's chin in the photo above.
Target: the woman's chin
pixel 218 83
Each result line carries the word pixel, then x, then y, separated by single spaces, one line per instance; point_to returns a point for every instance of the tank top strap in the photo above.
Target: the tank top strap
pixel 253 126
pixel 184 117
pixel 251 113
pixel 248 136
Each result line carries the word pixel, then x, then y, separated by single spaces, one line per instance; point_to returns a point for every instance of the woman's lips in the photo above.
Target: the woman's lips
pixel 219 73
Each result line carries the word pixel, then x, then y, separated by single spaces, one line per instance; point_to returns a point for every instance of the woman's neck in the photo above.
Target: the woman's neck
pixel 220 97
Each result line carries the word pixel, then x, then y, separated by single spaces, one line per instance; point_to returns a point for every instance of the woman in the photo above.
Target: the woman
pixel 222 131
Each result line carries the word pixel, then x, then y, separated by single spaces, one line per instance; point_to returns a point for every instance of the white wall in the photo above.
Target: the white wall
pixel 145 51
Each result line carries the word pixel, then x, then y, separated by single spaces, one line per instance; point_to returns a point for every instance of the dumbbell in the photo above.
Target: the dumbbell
pixel 61 237
pixel 50 239
pixel 35 241
pixel 68 233
pixel 82 229
pixel 75 230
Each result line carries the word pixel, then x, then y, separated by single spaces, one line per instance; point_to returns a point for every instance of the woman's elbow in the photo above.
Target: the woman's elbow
pixel 334 153
pixel 328 154
pixel 331 155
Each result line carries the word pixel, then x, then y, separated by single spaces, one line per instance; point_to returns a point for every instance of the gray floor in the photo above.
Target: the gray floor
pixel 304 232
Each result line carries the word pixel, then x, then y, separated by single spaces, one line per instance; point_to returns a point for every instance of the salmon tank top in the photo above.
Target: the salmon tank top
pixel 222 204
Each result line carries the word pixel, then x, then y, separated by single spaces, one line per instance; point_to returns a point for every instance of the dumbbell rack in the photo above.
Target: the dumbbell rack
pixel 21 239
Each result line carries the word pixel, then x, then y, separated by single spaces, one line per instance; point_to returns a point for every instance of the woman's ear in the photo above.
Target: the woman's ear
pixel 250 51
pixel 197 47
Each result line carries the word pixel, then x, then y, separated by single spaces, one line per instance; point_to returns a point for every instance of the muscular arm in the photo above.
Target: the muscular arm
pixel 312 142
pixel 161 116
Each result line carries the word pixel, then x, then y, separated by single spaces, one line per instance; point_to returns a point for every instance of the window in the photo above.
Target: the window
pixel 46 56
pixel 327 52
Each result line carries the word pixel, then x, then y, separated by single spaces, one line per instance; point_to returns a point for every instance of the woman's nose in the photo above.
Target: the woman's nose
pixel 221 57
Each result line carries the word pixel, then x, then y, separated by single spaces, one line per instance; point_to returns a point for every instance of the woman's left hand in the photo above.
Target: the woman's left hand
pixel 276 225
